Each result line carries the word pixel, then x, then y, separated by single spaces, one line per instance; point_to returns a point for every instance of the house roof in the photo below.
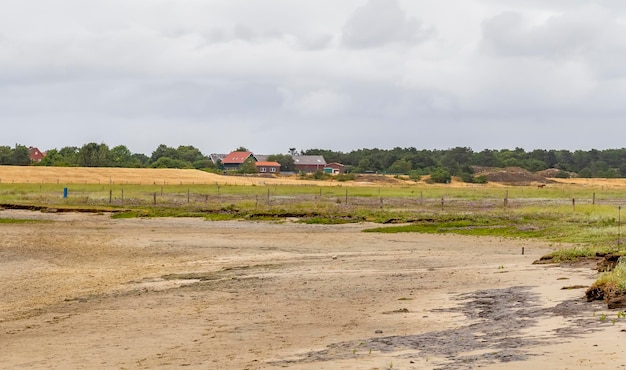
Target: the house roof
pixel 35 154
pixel 309 160
pixel 217 157
pixel 267 164
pixel 335 164
pixel 237 157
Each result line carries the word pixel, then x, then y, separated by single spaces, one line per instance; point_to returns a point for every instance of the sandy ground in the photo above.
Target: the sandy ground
pixel 87 291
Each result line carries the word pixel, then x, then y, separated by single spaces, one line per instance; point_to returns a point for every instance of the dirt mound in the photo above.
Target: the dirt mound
pixel 377 178
pixel 511 175
pixel 552 173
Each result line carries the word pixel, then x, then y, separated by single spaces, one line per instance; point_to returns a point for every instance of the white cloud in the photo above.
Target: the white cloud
pixel 380 22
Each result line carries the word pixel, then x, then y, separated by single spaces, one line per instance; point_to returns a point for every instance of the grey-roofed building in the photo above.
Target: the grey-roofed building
pixel 217 157
pixel 309 163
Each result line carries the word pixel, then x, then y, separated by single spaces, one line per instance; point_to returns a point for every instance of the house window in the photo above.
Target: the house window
pixel 262 169
pixel 273 169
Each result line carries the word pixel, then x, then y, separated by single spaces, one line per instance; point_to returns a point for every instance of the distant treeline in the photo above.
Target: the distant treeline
pixel 459 161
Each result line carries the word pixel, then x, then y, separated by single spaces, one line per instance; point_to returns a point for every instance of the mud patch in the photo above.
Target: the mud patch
pixel 495 333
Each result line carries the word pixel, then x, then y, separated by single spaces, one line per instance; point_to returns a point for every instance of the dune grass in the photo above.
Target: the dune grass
pixel 613 281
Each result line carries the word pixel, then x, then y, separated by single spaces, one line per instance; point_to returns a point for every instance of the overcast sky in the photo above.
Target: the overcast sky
pixel 329 74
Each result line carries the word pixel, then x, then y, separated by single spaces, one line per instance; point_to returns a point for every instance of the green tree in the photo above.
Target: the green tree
pixel 163 151
pixel 440 176
pixel 65 157
pixel 94 155
pixel 287 163
pixel 21 156
pixel 189 154
pixel 121 156
pixel 457 160
pixel 487 158
pixel 52 157
pixel 202 164
pixel 167 162
pixel 400 166
pixel 70 155
pixel 248 166
pixel 140 158
pixel 6 155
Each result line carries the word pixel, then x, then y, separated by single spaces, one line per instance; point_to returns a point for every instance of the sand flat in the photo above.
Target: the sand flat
pixel 87 291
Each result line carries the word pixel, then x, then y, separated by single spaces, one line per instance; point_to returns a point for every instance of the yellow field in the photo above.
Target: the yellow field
pixel 594 183
pixel 151 176
pixel 140 176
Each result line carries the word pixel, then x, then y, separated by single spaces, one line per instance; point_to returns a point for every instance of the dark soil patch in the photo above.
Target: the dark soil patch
pixel 496 322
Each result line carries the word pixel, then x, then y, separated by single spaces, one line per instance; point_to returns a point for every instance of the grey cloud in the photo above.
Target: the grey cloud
pixel 511 34
pixel 572 32
pixel 125 99
pixel 590 35
pixel 317 42
pixel 380 22
pixel 243 32
pixel 189 72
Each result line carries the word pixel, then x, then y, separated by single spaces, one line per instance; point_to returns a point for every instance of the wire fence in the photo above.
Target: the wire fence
pixel 273 196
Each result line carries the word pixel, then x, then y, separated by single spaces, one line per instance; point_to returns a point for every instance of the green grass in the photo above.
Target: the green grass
pixel 52 192
pixel 575 253
pixel 20 221
pixel 615 280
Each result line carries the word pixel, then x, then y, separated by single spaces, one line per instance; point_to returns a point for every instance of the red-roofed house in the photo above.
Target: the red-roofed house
pixel 268 167
pixel 234 160
pixel 35 154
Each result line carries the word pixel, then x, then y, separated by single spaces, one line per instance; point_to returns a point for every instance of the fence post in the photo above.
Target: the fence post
pixel 110 196
pixel 154 199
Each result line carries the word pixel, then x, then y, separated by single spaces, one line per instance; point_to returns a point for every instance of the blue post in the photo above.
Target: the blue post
pixel 64 192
